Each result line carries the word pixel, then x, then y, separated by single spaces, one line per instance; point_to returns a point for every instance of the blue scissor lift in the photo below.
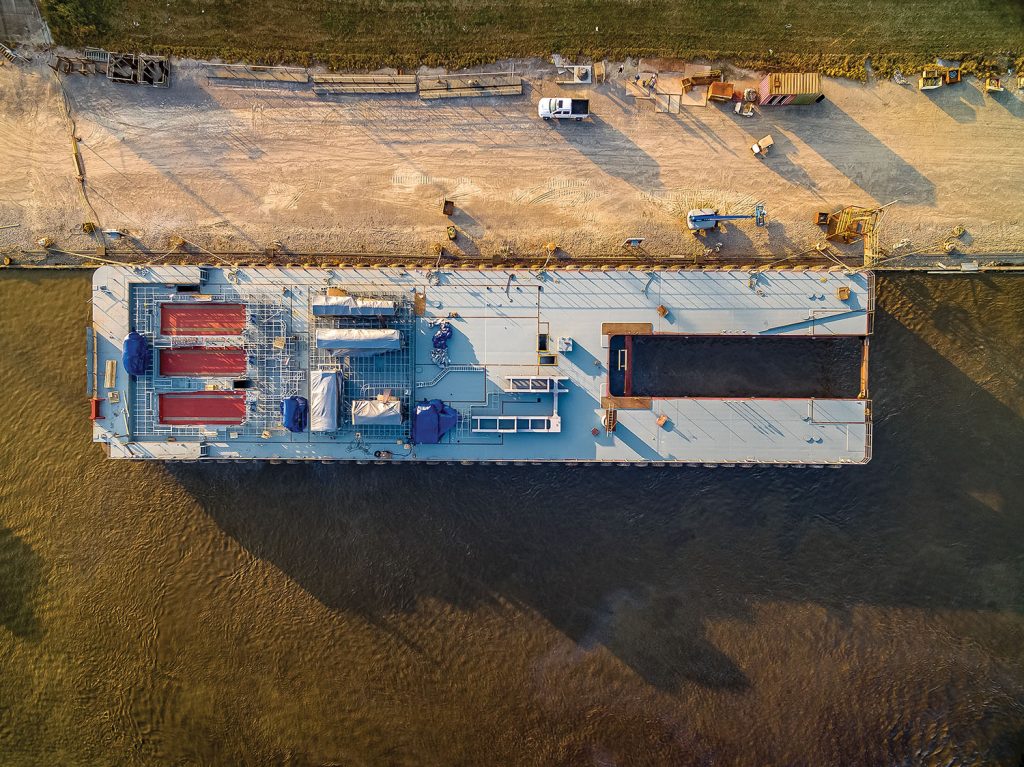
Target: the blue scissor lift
pixel 700 220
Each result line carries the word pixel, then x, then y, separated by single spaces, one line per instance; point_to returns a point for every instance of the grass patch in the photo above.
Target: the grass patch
pixel 834 36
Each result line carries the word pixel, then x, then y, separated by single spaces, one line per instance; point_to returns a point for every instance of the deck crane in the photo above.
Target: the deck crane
pixel 700 220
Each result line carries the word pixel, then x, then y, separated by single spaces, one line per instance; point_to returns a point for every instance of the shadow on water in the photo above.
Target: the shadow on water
pixel 643 561
pixel 20 577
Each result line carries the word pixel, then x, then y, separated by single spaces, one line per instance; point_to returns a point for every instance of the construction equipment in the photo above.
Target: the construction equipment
pixel 712 76
pixel 761 146
pixel 577 75
pixel 850 223
pixel 745 106
pixel 993 84
pixel 721 92
pixel 938 74
pixel 700 220
pixel 931 78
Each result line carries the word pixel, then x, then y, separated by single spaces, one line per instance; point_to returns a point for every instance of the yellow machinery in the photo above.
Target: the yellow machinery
pixel 993 84
pixel 849 224
pixel 932 77
pixel 936 76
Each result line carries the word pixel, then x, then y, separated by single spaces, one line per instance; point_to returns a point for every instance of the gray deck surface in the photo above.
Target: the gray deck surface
pixel 496 317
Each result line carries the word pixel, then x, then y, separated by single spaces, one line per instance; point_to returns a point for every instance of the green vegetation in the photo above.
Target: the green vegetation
pixel 834 36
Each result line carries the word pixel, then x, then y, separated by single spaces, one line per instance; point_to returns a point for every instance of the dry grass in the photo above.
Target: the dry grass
pixel 834 36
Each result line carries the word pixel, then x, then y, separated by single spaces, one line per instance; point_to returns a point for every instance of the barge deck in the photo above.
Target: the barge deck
pixel 402 365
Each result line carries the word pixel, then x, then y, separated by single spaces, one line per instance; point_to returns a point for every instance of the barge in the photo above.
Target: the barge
pixel 636 366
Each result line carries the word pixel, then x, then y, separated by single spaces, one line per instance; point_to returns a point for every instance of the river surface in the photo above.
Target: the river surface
pixel 389 615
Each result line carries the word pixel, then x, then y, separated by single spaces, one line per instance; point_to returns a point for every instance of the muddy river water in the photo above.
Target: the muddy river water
pixel 436 615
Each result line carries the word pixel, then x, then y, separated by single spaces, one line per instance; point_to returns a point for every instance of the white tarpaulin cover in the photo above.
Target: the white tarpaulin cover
pixel 371 412
pixel 351 306
pixel 324 395
pixel 356 341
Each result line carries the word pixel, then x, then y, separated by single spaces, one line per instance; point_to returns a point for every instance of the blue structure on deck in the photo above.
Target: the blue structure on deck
pixel 431 421
pixel 295 413
pixel 134 353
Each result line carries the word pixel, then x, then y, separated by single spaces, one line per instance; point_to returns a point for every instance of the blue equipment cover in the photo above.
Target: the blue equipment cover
pixel 134 353
pixel 442 335
pixel 294 411
pixel 432 420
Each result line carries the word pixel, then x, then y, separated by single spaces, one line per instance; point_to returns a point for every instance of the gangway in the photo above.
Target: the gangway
pixel 516 424
pixel 509 424
pixel 536 384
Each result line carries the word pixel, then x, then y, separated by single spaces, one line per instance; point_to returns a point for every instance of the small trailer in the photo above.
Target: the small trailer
pixel 564 109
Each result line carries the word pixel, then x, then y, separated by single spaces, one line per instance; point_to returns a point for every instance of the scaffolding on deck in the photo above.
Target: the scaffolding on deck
pixel 272 369
pixel 367 377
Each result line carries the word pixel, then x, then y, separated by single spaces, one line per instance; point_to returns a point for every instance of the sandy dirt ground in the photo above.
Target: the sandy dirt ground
pixel 238 169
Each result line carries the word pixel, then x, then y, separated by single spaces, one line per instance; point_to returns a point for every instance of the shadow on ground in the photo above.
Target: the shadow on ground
pixel 612 151
pixel 854 151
